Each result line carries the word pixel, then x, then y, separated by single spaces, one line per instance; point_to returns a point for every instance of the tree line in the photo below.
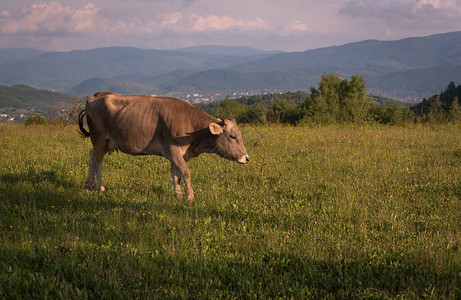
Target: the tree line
pixel 334 101
pixel 337 101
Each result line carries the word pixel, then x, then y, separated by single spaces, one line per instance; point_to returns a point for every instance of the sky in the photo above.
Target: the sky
pixel 287 25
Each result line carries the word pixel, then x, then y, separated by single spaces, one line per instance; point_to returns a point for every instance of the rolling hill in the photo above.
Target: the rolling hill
pixel 228 51
pixel 11 55
pixel 404 69
pixel 46 69
pixel 408 69
pixel 21 101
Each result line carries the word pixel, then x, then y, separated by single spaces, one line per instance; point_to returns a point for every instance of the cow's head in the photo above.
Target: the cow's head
pixel 229 143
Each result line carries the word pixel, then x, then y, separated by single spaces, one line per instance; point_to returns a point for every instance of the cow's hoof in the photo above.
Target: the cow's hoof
pixel 190 200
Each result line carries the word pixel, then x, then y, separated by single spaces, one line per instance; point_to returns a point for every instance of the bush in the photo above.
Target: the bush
pixel 36 119
pixel 394 113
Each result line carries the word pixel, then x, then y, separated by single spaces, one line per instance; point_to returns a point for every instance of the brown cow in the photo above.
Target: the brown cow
pixel 165 126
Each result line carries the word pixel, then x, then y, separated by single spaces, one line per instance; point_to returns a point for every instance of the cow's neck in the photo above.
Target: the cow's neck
pixel 202 142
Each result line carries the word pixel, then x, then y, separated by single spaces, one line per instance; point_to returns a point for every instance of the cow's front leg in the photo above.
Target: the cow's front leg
pixel 181 172
pixel 176 182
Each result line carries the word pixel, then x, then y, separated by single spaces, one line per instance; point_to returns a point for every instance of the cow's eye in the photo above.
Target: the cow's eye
pixel 233 137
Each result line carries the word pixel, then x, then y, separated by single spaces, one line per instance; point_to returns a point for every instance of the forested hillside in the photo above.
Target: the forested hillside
pixel 443 106
pixel 24 100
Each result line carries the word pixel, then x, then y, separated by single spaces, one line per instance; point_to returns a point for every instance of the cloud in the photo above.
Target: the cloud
pixel 167 21
pixel 49 18
pixel 396 19
pixel 53 17
pixel 397 10
pixel 219 23
pixel 64 25
pixel 296 27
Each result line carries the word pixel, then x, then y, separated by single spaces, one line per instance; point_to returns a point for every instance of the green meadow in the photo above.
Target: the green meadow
pixel 341 211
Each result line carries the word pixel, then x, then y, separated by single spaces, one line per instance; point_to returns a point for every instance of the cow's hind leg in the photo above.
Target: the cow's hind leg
pixel 95 167
pixel 91 171
pixel 98 158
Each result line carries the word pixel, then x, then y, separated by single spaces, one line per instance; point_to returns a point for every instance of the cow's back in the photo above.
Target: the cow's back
pixel 142 124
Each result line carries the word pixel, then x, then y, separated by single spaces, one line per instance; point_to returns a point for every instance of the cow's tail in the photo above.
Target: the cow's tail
pixel 83 131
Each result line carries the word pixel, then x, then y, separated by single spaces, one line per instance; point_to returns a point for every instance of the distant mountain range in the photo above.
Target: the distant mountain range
pixel 404 69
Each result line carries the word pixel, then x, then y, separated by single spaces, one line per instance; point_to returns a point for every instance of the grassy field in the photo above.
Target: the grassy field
pixel 320 212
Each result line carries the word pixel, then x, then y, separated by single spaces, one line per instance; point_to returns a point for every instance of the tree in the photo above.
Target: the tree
pixel 454 114
pixel 354 107
pixel 337 100
pixel 329 87
pixel 231 109
pixel 437 108
pixel 316 109
pixel 258 114
pixel 436 111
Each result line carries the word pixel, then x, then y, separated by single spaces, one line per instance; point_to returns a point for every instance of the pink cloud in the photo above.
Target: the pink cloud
pixel 218 23
pixel 50 18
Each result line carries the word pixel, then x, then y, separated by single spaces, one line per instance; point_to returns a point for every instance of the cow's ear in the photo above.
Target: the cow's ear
pixel 215 128
pixel 229 122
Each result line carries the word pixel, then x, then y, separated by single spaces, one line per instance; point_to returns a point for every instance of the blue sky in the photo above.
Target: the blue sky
pixel 288 25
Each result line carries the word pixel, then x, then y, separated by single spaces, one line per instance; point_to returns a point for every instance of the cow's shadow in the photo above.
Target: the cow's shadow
pixel 37 189
pixel 43 186
pixel 47 188
pixel 34 176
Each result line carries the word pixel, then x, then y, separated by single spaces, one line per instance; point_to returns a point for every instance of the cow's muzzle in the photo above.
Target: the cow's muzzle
pixel 244 159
